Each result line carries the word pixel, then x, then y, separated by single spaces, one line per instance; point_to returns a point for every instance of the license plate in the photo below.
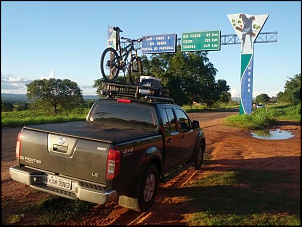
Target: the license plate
pixel 58 182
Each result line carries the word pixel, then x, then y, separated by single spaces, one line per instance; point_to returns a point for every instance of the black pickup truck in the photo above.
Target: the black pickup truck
pixel 120 153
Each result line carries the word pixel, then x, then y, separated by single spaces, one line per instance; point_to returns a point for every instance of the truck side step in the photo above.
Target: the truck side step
pixel 175 172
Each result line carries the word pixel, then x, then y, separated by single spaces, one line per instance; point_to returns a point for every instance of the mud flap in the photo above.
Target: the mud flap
pixel 128 202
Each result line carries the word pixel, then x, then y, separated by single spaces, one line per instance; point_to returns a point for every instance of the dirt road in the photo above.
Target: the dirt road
pixel 227 148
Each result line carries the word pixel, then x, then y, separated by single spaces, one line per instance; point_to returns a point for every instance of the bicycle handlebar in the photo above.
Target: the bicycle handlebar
pixel 132 40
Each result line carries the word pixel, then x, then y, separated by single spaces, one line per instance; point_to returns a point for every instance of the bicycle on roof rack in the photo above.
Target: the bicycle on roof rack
pixel 115 60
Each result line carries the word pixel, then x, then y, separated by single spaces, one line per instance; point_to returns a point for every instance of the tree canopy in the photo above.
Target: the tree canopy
pixel 292 90
pixel 262 98
pixel 6 106
pixel 189 76
pixel 54 95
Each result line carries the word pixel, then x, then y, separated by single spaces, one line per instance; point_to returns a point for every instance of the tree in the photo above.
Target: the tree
pixel 54 95
pixel 189 76
pixel 222 89
pixel 280 96
pixel 19 106
pixel 292 90
pixel 262 98
pixel 7 107
pixel 225 97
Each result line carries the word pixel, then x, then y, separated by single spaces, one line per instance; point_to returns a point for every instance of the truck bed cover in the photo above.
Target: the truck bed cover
pixel 93 131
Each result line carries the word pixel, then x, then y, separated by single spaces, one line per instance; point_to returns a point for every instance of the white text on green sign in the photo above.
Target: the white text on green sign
pixel 200 41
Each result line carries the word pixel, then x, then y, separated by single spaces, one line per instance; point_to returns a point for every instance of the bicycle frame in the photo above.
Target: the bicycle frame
pixel 124 52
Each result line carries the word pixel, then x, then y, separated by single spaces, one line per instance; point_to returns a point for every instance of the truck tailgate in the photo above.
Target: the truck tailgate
pixel 68 156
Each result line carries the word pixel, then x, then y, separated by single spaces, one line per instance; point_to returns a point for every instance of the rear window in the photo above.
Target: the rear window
pixel 130 114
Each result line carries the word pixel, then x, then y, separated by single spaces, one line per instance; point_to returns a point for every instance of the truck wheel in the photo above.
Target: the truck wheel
pixel 199 156
pixel 148 187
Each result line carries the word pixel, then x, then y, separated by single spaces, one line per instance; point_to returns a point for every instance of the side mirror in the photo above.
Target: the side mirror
pixel 195 124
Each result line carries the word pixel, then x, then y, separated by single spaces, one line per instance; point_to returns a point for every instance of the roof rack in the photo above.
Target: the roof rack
pixel 156 98
pixel 119 90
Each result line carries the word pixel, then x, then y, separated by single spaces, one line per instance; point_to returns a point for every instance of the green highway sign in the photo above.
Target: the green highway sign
pixel 200 41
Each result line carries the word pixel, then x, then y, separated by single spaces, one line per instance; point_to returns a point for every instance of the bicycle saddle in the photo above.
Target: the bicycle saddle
pixel 117 29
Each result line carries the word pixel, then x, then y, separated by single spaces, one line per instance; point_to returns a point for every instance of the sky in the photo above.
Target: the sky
pixel 65 39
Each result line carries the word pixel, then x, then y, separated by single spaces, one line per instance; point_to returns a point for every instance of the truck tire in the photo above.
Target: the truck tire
pixel 199 156
pixel 148 187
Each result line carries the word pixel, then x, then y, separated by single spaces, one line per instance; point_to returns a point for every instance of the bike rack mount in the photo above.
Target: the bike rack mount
pixel 116 89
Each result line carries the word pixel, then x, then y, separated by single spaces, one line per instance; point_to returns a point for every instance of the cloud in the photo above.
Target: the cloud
pixel 51 75
pixel 234 93
pixel 17 85
pixel 11 83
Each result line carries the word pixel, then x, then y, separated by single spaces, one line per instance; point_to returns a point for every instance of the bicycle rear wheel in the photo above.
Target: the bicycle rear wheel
pixel 135 70
pixel 109 64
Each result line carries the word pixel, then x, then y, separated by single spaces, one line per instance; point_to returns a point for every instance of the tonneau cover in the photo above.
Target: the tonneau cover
pixel 95 131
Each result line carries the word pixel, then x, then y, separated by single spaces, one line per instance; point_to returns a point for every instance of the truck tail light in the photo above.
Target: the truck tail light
pixel 124 100
pixel 18 145
pixel 113 164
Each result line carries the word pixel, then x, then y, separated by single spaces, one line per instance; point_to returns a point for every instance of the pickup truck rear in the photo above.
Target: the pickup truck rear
pixel 120 153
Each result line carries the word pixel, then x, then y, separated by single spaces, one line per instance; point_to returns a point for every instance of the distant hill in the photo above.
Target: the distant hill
pixel 236 99
pixel 89 97
pixel 7 97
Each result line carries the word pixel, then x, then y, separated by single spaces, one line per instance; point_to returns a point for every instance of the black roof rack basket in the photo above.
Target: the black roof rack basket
pixel 119 90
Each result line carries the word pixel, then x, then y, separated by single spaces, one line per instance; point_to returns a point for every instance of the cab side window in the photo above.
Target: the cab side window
pixel 168 120
pixel 184 121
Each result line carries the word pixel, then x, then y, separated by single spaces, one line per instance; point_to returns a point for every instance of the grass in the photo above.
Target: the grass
pixel 52 209
pixel 248 199
pixel 71 208
pixel 26 117
pixel 259 119
pixel 262 118
pixel 249 219
pixel 199 107
pixel 265 117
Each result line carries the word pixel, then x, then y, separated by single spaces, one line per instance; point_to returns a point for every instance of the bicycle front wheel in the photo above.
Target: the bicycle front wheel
pixel 135 70
pixel 109 64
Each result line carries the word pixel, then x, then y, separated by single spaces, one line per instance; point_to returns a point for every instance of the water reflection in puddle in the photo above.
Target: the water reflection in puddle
pixel 277 134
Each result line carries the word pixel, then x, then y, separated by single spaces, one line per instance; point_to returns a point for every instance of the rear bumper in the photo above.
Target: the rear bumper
pixel 88 192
